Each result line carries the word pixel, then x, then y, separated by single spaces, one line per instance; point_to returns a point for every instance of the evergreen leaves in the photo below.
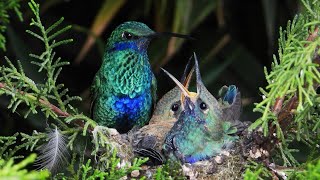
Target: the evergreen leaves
pixel 9 170
pixel 49 96
pixel 5 7
pixel 290 96
pixel 52 99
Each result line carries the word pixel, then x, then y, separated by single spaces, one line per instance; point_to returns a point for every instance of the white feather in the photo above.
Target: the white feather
pixel 54 154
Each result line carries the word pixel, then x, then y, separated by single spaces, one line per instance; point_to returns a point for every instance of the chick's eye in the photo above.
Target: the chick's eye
pixel 126 35
pixel 203 106
pixel 175 107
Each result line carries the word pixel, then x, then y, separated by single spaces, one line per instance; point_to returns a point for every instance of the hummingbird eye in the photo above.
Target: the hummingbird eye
pixel 203 106
pixel 127 36
pixel 175 107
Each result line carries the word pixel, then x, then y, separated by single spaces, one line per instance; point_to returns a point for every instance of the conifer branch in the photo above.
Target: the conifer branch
pixel 56 110
pixel 287 105
pixel 285 114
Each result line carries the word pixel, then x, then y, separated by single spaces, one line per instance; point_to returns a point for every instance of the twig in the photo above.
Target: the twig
pixel 313 35
pixel 277 105
pixel 54 108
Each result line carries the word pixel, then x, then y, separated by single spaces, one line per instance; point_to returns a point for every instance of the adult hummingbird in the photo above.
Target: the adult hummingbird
pixel 201 132
pixel 124 88
pixel 148 140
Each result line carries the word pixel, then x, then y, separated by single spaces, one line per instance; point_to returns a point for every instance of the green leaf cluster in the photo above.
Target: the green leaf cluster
pixel 170 170
pixel 294 74
pixel 89 171
pixel 22 89
pixel 11 170
pixel 312 172
pixel 5 7
pixel 256 171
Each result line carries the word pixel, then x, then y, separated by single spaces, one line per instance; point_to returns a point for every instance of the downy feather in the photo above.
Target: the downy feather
pixel 54 153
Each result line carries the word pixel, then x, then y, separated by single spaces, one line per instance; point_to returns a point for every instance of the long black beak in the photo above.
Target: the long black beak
pixel 169 34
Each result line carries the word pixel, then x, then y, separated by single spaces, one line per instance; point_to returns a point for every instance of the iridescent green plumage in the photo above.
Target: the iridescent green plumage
pixel 124 85
pixel 202 130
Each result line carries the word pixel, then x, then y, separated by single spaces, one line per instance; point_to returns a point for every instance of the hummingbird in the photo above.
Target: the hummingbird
pixel 148 140
pixel 201 131
pixel 124 88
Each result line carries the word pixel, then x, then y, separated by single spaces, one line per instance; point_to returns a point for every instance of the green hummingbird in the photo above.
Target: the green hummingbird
pixel 201 131
pixel 124 88
pixel 148 140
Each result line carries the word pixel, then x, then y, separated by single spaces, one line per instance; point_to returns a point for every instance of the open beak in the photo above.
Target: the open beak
pixel 184 87
pixel 200 84
pixel 186 77
pixel 186 82
pixel 184 90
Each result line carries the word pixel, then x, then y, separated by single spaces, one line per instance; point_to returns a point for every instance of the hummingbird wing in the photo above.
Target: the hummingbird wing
pixel 155 156
pixel 94 93
pixel 230 99
pixel 146 143
pixel 154 91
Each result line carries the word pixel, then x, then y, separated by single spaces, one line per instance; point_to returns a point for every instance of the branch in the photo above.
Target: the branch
pixel 285 114
pixel 54 108
pixel 277 106
pixel 313 35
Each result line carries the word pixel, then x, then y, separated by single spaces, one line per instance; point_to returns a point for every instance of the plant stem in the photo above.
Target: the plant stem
pixel 52 107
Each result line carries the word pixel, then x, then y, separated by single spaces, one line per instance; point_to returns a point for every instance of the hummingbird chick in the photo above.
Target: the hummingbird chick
pixel 148 140
pixel 202 130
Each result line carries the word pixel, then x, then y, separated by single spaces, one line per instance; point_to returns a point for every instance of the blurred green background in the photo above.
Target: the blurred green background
pixel 234 41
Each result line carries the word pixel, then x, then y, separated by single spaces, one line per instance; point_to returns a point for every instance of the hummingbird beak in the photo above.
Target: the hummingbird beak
pixel 184 90
pixel 186 79
pixel 186 82
pixel 198 75
pixel 169 34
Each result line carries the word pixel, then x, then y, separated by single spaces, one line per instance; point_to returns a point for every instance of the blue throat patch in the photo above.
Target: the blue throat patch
pixel 124 45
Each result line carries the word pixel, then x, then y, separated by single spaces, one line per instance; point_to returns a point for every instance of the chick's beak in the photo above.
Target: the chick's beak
pixel 185 92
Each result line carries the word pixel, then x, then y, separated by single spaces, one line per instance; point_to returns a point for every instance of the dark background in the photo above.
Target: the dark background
pixel 235 40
